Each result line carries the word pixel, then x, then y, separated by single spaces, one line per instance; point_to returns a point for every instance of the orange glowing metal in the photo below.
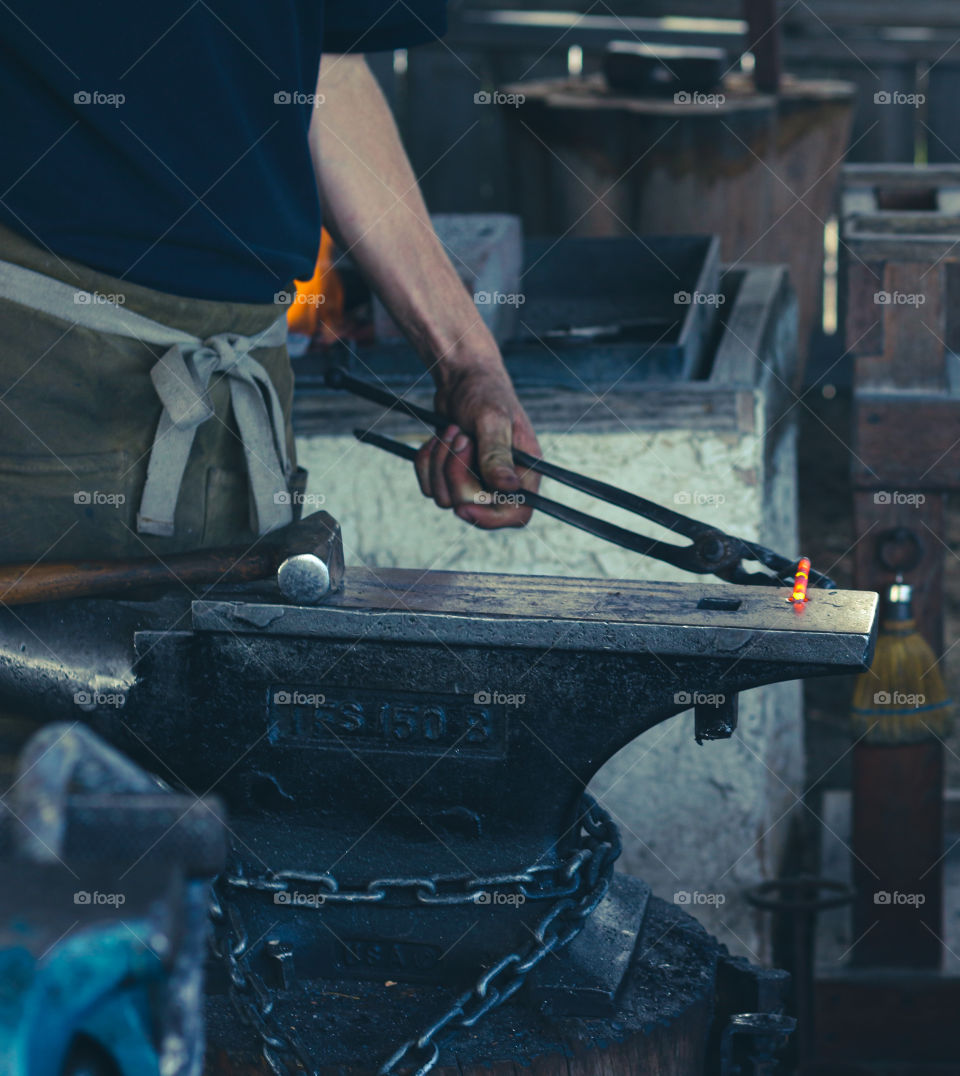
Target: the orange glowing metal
pixel 799 595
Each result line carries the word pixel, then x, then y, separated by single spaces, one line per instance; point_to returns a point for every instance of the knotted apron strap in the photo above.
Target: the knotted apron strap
pixel 182 378
pixel 259 415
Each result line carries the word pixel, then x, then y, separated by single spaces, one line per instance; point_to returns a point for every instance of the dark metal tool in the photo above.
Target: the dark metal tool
pixel 711 550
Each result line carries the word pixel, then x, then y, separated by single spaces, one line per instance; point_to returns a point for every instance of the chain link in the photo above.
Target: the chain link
pixel 535 883
pixel 252 1000
pixel 575 887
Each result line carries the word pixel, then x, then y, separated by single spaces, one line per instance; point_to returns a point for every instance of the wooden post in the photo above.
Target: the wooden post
pixel 898 849
pixel 763 40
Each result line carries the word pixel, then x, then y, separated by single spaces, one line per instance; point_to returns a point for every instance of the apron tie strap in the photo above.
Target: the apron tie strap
pixel 182 379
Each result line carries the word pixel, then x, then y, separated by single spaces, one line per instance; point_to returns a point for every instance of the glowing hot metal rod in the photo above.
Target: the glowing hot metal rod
pixel 802 578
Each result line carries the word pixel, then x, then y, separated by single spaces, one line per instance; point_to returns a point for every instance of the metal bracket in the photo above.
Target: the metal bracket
pixel 586 979
pixel 715 718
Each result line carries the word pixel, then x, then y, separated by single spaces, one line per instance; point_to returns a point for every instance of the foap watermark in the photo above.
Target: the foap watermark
pixel 294 898
pixel 498 698
pixel 894 496
pixel 298 698
pixel 698 698
pixel 899 298
pixel 295 97
pixel 299 298
pixel 499 497
pixel 85 896
pixel 98 298
pixel 883 896
pixel 699 298
pixel 695 496
pixel 294 496
pixel 98 97
pixel 899 698
pixel 687 896
pixel 696 97
pixel 496 897
pixel 897 97
pixel 497 97
pixel 99 496
pixel 499 298
pixel 91 700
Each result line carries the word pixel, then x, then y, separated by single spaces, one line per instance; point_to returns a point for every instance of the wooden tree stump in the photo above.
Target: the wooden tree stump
pixel 661 1028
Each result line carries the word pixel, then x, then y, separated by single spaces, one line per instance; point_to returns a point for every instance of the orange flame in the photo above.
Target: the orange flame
pixel 317 307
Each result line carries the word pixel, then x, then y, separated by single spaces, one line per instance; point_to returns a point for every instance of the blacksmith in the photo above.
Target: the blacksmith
pixel 164 174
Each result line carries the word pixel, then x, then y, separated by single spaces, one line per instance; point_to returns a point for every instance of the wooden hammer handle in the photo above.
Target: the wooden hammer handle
pixel 21 584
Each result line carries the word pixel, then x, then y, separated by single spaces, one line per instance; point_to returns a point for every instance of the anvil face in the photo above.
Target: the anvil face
pixel 420 725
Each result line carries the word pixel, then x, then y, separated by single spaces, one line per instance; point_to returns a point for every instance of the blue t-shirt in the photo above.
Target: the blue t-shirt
pixel 166 143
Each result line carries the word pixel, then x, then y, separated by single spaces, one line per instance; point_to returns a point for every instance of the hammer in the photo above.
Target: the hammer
pixel 306 557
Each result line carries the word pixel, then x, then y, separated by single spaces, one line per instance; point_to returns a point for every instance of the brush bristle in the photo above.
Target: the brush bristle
pixel 902 698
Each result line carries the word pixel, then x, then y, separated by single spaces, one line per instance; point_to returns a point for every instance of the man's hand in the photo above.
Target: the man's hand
pixel 473 457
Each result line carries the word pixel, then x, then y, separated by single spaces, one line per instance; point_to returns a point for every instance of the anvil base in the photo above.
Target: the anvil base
pixel 670 1013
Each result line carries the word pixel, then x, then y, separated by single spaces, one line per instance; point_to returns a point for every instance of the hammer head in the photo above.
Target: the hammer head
pixel 311 558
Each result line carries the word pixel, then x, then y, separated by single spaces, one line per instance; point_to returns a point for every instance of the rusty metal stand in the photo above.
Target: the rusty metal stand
pixel 800 899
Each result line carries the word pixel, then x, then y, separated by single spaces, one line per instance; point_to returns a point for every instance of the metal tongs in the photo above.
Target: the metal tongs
pixel 710 552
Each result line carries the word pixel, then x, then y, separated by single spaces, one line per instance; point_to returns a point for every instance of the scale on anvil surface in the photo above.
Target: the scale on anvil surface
pixel 391 794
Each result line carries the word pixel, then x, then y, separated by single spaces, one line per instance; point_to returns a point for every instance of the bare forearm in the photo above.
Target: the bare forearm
pixel 373 206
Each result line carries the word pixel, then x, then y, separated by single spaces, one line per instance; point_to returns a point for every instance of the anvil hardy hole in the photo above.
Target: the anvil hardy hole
pixel 726 605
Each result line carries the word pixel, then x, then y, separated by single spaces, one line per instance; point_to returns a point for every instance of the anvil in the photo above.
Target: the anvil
pixel 431 726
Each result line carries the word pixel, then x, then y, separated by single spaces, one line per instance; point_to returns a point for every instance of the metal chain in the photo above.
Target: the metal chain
pixel 250 996
pixel 535 883
pixel 558 927
pixel 575 887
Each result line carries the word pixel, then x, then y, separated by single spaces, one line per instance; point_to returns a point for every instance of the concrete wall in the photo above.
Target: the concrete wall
pixel 695 820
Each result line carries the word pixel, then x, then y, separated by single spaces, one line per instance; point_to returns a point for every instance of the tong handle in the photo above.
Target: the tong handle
pixel 688 558
pixel 619 498
pixel 711 550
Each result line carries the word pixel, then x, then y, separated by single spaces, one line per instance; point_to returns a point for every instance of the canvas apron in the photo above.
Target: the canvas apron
pixel 106 380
